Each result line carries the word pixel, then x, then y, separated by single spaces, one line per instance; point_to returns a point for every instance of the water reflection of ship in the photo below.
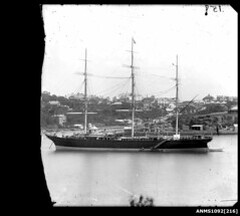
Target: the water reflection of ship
pixel 89 141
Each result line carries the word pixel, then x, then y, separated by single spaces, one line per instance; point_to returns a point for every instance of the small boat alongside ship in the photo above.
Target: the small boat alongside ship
pixel 88 141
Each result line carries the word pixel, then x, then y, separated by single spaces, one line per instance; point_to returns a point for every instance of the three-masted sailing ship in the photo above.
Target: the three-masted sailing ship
pixel 131 143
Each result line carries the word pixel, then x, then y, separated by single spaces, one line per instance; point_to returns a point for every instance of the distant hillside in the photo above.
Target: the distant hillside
pixel 149 109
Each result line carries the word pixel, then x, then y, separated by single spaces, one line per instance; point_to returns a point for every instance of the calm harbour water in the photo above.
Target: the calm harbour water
pixel 83 178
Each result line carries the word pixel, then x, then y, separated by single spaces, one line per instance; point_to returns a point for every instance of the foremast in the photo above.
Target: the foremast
pixel 133 87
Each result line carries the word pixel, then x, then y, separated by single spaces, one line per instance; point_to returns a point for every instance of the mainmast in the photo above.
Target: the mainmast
pixel 133 85
pixel 177 135
pixel 85 94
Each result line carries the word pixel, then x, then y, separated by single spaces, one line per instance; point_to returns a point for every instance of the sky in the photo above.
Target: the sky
pixel 206 46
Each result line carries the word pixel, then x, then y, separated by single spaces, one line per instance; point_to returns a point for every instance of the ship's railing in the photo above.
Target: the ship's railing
pixel 195 137
pixel 139 138
pixel 186 137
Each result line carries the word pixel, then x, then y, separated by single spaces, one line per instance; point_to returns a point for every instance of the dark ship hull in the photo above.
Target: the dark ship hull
pixel 131 144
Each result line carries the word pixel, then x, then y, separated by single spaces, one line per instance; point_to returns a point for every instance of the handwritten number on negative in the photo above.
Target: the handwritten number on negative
pixel 215 8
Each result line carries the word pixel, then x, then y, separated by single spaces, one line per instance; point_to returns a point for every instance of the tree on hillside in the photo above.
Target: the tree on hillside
pixel 230 104
pixel 212 108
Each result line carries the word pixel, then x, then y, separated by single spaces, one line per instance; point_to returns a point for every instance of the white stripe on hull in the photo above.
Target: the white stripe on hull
pixel 133 149
pixel 185 150
pixel 96 149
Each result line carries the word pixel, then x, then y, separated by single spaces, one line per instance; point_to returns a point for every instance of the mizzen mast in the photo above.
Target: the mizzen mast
pixel 85 94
